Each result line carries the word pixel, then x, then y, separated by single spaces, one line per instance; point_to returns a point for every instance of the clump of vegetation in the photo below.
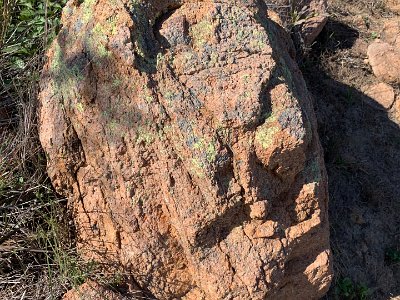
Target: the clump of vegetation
pixel 37 257
pixel 26 27
pixel 346 289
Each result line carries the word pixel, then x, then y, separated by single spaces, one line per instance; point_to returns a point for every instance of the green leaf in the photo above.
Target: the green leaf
pixel 18 63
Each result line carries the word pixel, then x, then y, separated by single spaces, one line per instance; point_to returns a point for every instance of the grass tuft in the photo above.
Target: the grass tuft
pixel 37 255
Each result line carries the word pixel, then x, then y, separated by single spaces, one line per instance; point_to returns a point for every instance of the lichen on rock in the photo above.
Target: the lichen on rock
pixel 183 135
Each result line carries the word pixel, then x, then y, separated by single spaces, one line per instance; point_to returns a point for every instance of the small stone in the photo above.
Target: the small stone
pixel 312 27
pixel 382 93
pixel 359 21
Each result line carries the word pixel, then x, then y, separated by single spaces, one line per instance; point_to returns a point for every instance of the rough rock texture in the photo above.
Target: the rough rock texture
pixel 393 5
pixel 384 53
pixel 91 290
pixel 381 92
pixel 183 134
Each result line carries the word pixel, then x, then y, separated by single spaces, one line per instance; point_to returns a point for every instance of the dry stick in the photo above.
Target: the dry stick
pixel 19 249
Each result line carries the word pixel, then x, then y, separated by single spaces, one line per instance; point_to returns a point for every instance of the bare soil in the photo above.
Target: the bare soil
pixel 362 149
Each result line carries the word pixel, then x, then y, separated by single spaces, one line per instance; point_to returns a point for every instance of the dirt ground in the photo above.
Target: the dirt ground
pixel 362 152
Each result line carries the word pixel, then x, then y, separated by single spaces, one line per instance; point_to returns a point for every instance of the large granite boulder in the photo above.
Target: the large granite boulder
pixel 183 135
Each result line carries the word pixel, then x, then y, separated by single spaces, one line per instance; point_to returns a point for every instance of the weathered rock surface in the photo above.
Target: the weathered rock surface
pixel 393 5
pixel 91 290
pixel 183 134
pixel 381 92
pixel 384 53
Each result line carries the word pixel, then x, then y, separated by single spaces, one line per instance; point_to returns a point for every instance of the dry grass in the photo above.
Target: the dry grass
pixel 38 257
pixel 361 143
pixel 37 260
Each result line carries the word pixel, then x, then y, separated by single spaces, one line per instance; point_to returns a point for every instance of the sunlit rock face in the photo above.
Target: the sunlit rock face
pixel 183 135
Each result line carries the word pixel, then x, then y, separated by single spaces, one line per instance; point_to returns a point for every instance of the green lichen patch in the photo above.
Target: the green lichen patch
pixel 313 170
pixel 87 10
pixel 211 152
pixel 113 126
pixel 207 150
pixel 265 136
pixel 79 106
pixel 171 97
pixel 246 78
pixel 66 78
pixel 146 94
pixel 144 135
pixel 111 25
pixel 258 39
pixel 116 81
pixel 245 95
pixel 97 41
pixel 202 32
pixel 57 63
pixel 266 133
pixel 197 167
